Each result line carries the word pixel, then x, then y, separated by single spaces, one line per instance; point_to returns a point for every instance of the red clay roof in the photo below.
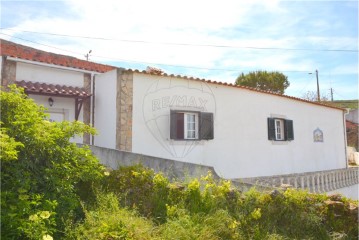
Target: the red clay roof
pixel 350 124
pixel 16 50
pixel 12 49
pixel 52 90
pixel 230 85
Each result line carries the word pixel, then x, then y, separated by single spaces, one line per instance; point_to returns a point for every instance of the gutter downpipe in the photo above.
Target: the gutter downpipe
pixel 93 107
pixel 346 112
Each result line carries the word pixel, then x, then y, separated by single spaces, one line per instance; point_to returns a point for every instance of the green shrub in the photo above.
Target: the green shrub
pixel 44 178
pixel 185 208
pixel 108 221
pixel 216 225
pixel 39 169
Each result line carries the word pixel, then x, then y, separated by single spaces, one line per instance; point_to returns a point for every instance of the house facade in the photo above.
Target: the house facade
pixel 241 132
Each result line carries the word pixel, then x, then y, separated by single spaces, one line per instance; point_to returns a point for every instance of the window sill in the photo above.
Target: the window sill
pixel 185 140
pixel 281 142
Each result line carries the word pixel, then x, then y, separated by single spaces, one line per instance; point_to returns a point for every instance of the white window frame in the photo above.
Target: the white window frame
pixel 279 129
pixel 186 125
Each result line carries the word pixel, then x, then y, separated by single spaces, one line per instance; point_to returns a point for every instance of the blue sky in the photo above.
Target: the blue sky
pixel 215 40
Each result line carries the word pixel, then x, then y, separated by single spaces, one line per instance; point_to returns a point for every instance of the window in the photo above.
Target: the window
pixel 191 125
pixel 280 129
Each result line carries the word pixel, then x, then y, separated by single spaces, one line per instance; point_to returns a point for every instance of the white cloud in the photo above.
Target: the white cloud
pixel 264 24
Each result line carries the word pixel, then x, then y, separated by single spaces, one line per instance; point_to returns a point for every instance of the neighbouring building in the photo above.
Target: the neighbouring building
pixel 241 132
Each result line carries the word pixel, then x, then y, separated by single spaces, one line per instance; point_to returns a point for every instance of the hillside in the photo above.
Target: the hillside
pixel 352 104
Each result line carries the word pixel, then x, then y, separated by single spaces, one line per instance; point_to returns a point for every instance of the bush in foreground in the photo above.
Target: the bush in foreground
pixel 40 169
pixel 206 209
pixel 50 187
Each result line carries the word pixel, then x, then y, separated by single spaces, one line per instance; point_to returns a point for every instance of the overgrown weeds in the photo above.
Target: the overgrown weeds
pixel 205 209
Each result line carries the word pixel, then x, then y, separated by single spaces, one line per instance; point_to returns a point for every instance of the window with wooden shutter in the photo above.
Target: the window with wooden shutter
pixel 289 133
pixel 271 129
pixel 177 125
pixel 191 125
pixel 280 129
pixel 206 126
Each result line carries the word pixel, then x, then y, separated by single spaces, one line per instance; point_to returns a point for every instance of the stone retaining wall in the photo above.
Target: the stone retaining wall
pixel 316 182
pixel 176 170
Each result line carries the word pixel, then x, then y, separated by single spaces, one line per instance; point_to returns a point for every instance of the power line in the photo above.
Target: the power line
pixel 185 44
pixel 41 44
pixel 148 63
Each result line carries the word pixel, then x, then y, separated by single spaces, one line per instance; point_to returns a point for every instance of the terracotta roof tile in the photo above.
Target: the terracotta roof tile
pixel 16 50
pixel 233 85
pixel 52 89
pixel 12 49
pixel 350 124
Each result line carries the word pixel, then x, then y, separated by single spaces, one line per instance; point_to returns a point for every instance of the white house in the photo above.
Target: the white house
pixel 241 132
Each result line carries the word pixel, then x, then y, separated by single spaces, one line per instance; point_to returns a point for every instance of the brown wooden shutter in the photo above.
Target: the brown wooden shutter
pixel 271 129
pixel 176 125
pixel 206 130
pixel 289 133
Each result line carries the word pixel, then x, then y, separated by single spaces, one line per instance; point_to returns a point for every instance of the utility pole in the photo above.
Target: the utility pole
pixel 318 93
pixel 331 94
pixel 87 55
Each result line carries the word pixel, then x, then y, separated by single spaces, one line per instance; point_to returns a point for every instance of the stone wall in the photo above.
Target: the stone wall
pixel 124 106
pixel 174 169
pixel 8 75
pixel 177 170
pixel 86 107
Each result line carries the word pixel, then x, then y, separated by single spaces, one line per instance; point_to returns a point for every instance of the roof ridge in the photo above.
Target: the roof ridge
pixel 13 49
pixel 234 85
pixel 40 56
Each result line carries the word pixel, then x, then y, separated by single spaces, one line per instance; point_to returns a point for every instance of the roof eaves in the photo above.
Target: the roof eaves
pixel 235 86
pixel 16 50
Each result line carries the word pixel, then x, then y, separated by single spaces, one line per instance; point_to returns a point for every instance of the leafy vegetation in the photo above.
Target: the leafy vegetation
pixel 52 189
pixel 268 81
pixel 39 169
pixel 136 203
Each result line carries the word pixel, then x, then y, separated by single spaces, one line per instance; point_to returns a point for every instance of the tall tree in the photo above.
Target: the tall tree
pixel 268 81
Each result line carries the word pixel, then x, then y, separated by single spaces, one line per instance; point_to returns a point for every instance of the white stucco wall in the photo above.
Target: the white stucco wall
pixel 240 147
pixel 105 109
pixel 45 74
pixel 353 116
pixel 63 109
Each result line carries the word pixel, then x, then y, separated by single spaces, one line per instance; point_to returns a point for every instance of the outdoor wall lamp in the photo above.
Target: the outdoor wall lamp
pixel 51 102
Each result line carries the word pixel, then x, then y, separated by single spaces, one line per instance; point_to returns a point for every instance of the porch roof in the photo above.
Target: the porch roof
pixel 52 89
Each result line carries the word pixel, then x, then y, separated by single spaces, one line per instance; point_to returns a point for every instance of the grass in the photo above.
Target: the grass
pixel 352 104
